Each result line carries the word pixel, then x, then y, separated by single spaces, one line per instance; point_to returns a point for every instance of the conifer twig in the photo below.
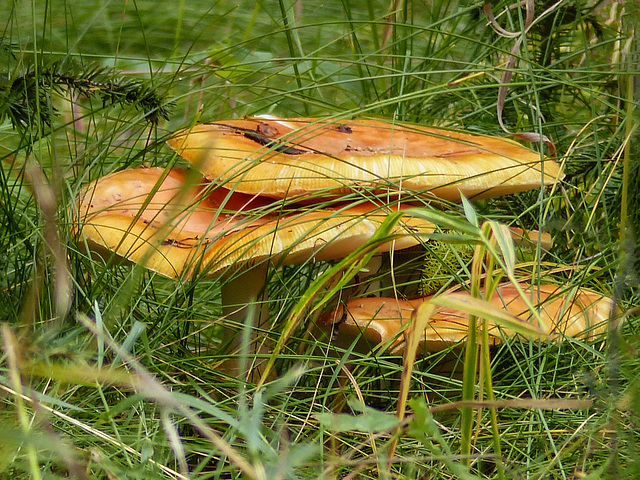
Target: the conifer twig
pixel 21 96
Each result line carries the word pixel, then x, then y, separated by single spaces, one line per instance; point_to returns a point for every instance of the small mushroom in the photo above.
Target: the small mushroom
pixel 280 158
pixel 531 238
pixel 375 320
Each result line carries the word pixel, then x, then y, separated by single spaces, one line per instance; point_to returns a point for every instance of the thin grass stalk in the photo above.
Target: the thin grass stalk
pixel 470 360
pixel 360 396
pixel 402 56
pixel 36 69
pixel 11 350
pixel 180 20
pixel 630 127
pixel 375 36
pixel 481 363
pixel 290 42
pixel 418 325
pixel 491 282
pixel 359 54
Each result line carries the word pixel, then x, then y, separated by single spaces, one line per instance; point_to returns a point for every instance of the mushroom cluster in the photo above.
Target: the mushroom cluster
pixel 258 193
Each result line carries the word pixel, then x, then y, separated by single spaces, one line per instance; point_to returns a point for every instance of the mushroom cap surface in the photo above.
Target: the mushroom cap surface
pixel 280 158
pixel 531 238
pixel 581 314
pixel 181 227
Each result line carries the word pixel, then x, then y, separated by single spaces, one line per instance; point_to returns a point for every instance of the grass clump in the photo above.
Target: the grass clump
pixel 109 371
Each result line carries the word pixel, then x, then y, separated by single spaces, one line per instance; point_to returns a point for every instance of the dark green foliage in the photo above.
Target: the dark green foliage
pixel 442 262
pixel 25 98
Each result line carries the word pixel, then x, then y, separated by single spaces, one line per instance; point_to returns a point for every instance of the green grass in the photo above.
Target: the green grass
pixel 109 371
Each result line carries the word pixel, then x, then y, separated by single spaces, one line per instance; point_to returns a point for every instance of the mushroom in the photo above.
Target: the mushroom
pixel 181 228
pixel 156 218
pixel 280 158
pixel 376 320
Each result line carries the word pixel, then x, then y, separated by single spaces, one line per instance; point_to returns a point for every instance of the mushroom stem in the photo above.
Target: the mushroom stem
pixel 368 280
pixel 245 306
pixel 402 272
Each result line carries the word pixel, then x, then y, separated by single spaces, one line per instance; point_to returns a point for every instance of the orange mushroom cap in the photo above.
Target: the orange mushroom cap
pixel 176 227
pixel 580 314
pixel 278 158
pixel 531 238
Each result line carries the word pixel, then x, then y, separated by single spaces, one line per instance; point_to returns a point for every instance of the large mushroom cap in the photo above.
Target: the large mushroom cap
pixel 291 157
pixel 580 314
pixel 177 228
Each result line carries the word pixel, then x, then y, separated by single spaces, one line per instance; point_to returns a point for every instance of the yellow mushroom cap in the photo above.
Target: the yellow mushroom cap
pixel 531 238
pixel 178 227
pixel 581 313
pixel 281 158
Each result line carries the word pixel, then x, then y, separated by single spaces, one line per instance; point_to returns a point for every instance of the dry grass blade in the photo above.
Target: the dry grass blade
pixel 46 199
pixel 508 73
pixel 527 403
pixel 11 348
pixel 419 322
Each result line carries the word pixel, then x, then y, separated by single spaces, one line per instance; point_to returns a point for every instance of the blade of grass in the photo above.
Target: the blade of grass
pixel 10 345
pixel 329 284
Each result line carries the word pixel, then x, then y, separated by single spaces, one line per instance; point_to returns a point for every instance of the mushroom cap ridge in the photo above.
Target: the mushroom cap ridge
pixel 277 158
pixel 177 228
